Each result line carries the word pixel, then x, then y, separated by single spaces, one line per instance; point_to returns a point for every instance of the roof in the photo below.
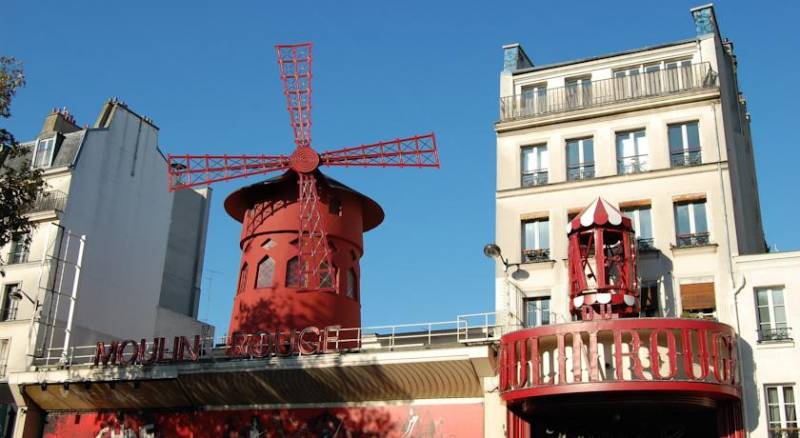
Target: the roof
pixel 239 201
pixel 65 153
pixel 608 55
pixel 599 213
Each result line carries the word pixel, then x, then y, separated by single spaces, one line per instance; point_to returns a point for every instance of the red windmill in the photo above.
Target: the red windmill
pixel 307 254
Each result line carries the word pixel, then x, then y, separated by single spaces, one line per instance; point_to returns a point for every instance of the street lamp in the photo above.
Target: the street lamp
pixel 493 251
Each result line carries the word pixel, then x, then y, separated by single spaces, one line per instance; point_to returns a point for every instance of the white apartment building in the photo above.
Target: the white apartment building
pixel 663 133
pixel 138 273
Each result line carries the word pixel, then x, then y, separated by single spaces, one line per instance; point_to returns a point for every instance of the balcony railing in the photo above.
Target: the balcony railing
pixel 633 164
pixel 645 244
pixel 774 334
pixel 686 158
pixel 785 432
pixel 49 201
pixel 535 178
pixel 671 81
pixel 535 255
pixel 692 240
pixel 579 172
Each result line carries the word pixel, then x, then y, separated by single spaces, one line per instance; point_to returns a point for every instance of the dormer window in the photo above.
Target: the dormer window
pixel 43 153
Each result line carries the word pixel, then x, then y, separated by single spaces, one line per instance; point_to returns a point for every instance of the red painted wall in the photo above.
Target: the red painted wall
pixel 269 213
pixel 429 421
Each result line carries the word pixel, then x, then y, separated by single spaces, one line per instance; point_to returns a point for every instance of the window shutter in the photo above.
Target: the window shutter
pixel 698 296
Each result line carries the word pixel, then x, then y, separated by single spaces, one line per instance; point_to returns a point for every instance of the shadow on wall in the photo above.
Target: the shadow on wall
pixel 750 396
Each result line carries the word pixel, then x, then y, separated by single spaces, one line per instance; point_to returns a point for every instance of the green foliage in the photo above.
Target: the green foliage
pixel 19 184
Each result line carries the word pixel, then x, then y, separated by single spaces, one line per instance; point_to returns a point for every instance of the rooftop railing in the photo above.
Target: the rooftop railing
pixel 595 94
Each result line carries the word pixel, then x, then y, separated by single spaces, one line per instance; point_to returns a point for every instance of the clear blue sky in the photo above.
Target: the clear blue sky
pixel 206 74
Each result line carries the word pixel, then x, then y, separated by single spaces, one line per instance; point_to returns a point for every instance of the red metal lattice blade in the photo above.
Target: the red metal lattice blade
pixel 294 61
pixel 316 268
pixel 199 170
pixel 417 151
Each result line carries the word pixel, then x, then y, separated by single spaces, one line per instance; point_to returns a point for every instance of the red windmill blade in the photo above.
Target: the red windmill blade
pixel 314 255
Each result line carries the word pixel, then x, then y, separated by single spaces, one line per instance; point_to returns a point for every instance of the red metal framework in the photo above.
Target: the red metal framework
pixel 295 62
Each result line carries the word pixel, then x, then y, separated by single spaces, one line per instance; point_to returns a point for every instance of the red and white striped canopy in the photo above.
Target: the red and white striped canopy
pixel 599 212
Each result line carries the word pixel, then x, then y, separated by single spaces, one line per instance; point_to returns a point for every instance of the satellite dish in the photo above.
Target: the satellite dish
pixel 520 274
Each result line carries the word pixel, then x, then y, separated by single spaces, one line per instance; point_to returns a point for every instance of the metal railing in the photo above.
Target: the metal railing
pixel 686 158
pixel 535 255
pixel 580 172
pixel 633 164
pixel 692 240
pixel 671 81
pixel 645 244
pixel 466 329
pixel 53 200
pixel 784 432
pixel 535 178
pixel 774 334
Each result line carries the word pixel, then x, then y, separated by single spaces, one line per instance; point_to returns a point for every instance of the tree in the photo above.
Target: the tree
pixel 20 185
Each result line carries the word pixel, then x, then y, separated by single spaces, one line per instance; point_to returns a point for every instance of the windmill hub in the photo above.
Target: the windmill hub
pixel 304 159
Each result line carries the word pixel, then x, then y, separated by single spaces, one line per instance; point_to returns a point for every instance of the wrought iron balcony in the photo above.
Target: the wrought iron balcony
pixel 786 432
pixel 535 255
pixel 50 201
pixel 535 178
pixel 645 244
pixel 633 164
pixel 595 94
pixel 581 171
pixel 692 240
pixel 686 158
pixel 774 334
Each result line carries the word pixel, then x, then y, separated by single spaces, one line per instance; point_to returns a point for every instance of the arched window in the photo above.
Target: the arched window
pixel 352 287
pixel 327 277
pixel 293 272
pixel 265 271
pixel 242 279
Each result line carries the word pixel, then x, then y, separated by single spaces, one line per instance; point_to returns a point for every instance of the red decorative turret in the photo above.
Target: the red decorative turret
pixel 602 264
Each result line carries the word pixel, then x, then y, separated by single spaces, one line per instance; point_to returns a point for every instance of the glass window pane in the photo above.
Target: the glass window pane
pixel 642 147
pixel 775 414
pixel 777 297
pixel 646 227
pixel 624 146
pixel 543 158
pixel 772 395
pixel 572 153
pixel 788 394
pixel 700 224
pixel 529 236
pixel 762 297
pixel 693 135
pixel 675 138
pixel 544 237
pixel 780 314
pixel 763 315
pixel 682 218
pixel 588 150
pixel 528 160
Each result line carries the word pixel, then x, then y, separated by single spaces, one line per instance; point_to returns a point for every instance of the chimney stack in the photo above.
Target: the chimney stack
pixel 59 120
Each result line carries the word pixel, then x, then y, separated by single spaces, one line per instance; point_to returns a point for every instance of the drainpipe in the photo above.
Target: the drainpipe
pixel 736 291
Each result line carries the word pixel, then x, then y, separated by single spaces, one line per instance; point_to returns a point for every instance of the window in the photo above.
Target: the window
pixel 242 279
pixel 293 272
pixel 351 283
pixel 771 312
pixel 537 311
pixel 627 83
pixel 697 299
pixel 10 304
pixel 327 278
pixel 43 153
pixel 579 92
pixel 684 144
pixel 649 299
pixel 534 165
pixel 534 99
pixel 691 225
pixel 632 152
pixel 4 348
pixel 653 79
pixel 781 414
pixel 19 249
pixel 642 225
pixel 679 75
pixel 580 159
pixel 266 269
pixel 535 240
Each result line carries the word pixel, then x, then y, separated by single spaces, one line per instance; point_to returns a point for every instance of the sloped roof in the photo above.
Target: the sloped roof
pixel 65 153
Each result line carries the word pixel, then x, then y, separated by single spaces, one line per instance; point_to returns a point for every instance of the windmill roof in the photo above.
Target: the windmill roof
pixel 599 212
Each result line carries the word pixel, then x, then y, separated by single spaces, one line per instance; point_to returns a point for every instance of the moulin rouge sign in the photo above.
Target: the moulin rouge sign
pixel 282 343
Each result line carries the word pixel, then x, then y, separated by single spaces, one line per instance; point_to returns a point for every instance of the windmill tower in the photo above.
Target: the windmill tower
pixel 301 231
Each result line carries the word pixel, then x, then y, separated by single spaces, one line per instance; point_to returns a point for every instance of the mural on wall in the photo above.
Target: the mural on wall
pixel 404 421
